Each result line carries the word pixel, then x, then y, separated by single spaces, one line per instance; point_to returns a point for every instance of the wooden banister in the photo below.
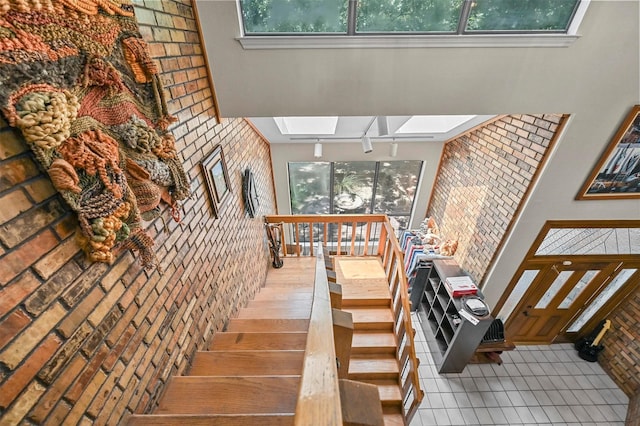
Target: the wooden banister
pixel 343 339
pixel 319 395
pixel 393 260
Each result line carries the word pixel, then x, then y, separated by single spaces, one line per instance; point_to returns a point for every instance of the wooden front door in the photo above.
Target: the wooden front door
pixel 560 291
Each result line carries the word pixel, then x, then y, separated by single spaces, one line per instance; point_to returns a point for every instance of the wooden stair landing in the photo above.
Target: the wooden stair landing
pixel 363 281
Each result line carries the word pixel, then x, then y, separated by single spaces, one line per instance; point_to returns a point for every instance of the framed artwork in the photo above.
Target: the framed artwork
pixel 216 177
pixel 617 174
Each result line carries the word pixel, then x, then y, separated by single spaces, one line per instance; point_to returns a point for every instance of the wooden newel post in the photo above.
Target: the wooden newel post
pixel 342 336
pixel 361 404
pixel 335 294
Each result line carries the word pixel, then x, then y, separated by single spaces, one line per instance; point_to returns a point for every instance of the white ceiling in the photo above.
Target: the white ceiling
pixel 340 129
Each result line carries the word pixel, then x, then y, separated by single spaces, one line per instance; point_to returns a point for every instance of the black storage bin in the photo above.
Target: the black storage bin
pixel 495 333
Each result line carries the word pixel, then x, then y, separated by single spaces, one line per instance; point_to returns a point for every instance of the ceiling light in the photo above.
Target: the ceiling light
pixel 367 147
pixel 393 149
pixel 317 150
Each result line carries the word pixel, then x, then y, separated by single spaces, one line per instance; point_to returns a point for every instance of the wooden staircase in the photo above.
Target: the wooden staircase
pixel 251 372
pixel 373 350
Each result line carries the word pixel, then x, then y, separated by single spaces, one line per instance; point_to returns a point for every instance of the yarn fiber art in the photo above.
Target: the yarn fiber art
pixel 77 79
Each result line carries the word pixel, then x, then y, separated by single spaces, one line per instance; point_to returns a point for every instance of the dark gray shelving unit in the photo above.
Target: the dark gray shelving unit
pixel 456 338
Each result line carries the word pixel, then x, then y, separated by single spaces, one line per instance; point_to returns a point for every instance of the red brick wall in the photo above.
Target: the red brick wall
pixel 621 355
pixel 84 342
pixel 482 179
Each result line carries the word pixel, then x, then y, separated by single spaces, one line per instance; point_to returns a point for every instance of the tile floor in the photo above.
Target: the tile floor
pixel 535 385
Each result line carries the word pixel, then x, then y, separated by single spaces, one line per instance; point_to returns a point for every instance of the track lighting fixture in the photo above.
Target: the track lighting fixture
pixel 317 150
pixel 393 149
pixel 367 147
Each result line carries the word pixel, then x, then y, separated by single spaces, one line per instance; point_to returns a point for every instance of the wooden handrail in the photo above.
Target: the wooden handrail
pixel 365 235
pixel 319 395
pixel 393 259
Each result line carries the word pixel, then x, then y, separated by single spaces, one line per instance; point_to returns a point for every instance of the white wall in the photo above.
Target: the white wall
pixel 596 80
pixel 428 152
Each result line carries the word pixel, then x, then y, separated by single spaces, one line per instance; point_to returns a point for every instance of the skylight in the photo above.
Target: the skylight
pixel 433 123
pixel 351 17
pixel 306 125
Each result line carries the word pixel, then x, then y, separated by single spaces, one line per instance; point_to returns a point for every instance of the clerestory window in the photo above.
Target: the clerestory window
pixel 376 17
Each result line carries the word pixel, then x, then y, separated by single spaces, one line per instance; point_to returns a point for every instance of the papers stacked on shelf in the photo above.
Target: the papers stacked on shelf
pixel 460 286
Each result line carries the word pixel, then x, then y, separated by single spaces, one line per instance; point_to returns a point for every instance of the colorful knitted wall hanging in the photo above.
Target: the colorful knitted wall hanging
pixel 77 79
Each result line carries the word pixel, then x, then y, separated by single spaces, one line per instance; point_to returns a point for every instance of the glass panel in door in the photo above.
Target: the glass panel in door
pixel 616 284
pixel 556 286
pixel 577 290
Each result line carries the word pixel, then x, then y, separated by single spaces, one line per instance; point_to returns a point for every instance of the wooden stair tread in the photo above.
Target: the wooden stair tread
pixel 275 313
pixel 278 304
pixel 225 341
pixel 371 319
pixel 211 419
pixel 389 391
pixel 247 363
pixel 372 342
pixel 362 302
pixel 393 419
pixel 273 294
pixel 284 286
pixel 267 325
pixel 373 368
pixel 230 395
pixel 365 294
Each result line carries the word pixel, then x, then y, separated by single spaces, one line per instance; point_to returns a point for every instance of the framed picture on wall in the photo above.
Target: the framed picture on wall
pixel 617 174
pixel 216 177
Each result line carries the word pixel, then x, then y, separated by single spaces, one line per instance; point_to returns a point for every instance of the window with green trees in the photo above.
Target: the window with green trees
pixel 355 187
pixel 351 17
